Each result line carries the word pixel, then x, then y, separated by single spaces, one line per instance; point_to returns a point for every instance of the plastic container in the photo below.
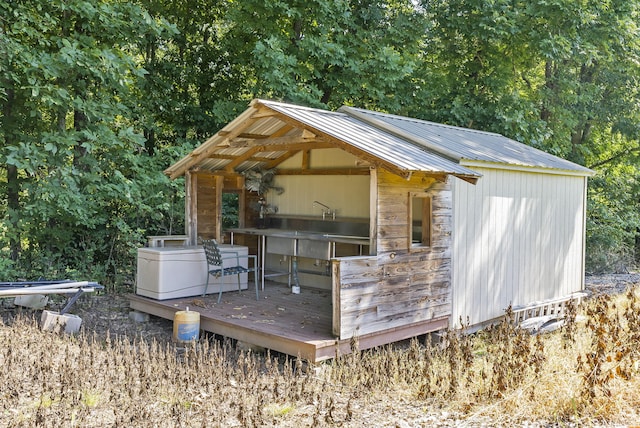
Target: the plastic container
pixel 186 326
pixel 176 272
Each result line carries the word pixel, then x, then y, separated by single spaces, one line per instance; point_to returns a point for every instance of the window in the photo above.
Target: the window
pixel 420 220
pixel 230 210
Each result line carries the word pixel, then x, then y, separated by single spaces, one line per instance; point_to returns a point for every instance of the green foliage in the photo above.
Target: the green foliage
pixel 230 211
pixel 559 75
pixel 613 222
pixel 82 178
pixel 327 53
pixel 97 98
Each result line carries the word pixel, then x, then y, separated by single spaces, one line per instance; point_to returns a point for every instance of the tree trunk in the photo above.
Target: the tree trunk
pixel 79 124
pixel 150 141
pixel 545 114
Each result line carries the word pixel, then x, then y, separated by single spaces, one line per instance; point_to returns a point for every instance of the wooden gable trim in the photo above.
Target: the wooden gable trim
pixel 208 147
pixel 203 151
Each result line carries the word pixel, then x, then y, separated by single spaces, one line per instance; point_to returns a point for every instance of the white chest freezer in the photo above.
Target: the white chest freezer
pixel 175 272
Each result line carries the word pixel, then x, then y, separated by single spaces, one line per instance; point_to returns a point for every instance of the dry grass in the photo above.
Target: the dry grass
pixel 585 374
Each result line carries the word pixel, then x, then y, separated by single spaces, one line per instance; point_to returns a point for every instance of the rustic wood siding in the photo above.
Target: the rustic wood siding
pixel 397 287
pixel 205 187
pixel 518 238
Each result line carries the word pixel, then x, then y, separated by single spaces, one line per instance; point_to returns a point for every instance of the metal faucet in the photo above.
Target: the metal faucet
pixel 327 211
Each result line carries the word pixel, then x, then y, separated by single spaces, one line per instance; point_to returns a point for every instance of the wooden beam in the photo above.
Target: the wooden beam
pixel 221 173
pixel 373 160
pixel 191 207
pixel 242 204
pixel 219 156
pixel 264 112
pixel 336 323
pixel 263 159
pixel 277 161
pixel 325 171
pixel 234 129
pixel 373 211
pixel 287 139
pixel 426 221
pixel 231 157
pixel 280 132
pixel 205 150
pixel 306 159
pixel 241 158
pixel 307 145
pixel 245 135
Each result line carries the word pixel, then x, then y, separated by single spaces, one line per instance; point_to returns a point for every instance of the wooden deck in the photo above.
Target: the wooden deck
pixel 293 324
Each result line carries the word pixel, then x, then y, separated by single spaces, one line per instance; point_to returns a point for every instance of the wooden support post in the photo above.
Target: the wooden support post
pixel 218 209
pixel 373 211
pixel 191 207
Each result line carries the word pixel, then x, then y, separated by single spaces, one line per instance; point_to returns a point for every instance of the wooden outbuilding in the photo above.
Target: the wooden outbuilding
pixel 391 227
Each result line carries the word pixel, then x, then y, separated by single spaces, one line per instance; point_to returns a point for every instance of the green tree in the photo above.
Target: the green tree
pixel 325 53
pixel 560 75
pixel 71 156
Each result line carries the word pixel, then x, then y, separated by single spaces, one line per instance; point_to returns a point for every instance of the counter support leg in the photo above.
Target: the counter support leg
pixel 262 253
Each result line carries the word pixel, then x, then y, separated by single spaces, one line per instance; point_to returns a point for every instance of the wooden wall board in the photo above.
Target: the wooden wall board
pixel 400 285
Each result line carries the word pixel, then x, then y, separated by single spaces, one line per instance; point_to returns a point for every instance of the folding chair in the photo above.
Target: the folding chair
pixel 215 265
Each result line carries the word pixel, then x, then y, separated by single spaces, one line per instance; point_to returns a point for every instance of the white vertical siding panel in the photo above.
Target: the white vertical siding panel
pixel 517 238
pixel 510 213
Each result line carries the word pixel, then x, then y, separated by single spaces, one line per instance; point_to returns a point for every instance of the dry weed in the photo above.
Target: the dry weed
pixel 586 374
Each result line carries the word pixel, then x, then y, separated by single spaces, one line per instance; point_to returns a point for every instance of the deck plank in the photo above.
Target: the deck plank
pixel 294 324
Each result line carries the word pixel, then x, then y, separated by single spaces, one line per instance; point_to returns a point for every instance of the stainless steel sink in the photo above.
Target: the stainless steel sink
pixel 311 245
pixel 314 249
pixel 281 245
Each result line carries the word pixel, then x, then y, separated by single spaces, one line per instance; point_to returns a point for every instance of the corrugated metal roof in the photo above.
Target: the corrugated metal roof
pixel 467 144
pixel 371 140
pixel 403 144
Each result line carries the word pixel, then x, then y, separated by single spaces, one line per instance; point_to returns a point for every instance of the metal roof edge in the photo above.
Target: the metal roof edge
pixel 369 117
pixel 275 104
pixel 414 119
pixel 361 114
pixel 585 172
